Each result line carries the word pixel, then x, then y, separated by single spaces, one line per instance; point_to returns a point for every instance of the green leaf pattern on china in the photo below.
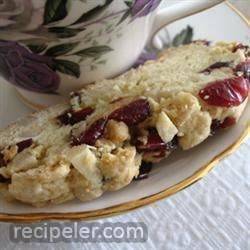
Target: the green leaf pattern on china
pixel 184 37
pixel 93 13
pixel 94 52
pixel 65 32
pixel 67 67
pixel 55 10
pixel 37 48
pixel 61 49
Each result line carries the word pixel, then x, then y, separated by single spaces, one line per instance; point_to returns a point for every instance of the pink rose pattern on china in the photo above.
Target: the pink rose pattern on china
pixel 26 69
pixel 33 64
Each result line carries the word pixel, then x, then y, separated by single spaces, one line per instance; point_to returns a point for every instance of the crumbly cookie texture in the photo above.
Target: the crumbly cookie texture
pixel 98 142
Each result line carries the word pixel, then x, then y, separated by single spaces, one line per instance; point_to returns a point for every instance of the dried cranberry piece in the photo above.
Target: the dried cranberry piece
pixel 133 113
pixel 2 161
pixel 144 170
pixel 20 147
pixel 239 46
pixel 244 67
pixel 24 144
pixel 4 180
pixel 217 125
pixel 226 93
pixel 216 65
pixel 65 117
pixel 156 144
pixel 73 117
pixel 92 134
pixel 155 149
pixel 81 115
pixel 228 122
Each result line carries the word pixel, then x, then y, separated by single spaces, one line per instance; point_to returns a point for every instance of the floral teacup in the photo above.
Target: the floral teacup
pixel 49 48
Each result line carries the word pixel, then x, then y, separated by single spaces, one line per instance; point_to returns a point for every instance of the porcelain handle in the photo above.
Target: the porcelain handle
pixel 180 10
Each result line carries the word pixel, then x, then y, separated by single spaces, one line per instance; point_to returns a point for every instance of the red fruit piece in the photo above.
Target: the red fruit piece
pixel 20 147
pixel 228 122
pixel 24 144
pixel 225 93
pixel 4 180
pixel 73 117
pixel 216 65
pixel 239 46
pixel 155 149
pixel 144 170
pixel 81 115
pixel 2 161
pixel 244 67
pixel 155 143
pixel 133 113
pixel 92 134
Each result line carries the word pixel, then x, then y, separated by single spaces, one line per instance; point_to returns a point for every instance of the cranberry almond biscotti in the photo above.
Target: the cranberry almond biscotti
pixel 99 141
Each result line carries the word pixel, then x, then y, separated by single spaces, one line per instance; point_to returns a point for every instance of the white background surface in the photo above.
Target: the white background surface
pixel 212 214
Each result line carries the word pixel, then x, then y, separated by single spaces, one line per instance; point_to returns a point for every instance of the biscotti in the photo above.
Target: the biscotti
pixel 98 141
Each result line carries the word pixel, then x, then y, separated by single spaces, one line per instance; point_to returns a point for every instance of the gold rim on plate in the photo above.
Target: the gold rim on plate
pixel 131 205
pixel 30 104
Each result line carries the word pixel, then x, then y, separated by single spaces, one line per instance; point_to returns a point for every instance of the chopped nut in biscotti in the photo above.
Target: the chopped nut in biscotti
pixel 105 146
pixel 40 185
pixel 117 132
pixel 27 159
pixel 165 127
pixel 200 124
pixel 83 188
pixel 119 168
pixel 83 159
pixel 185 112
pixel 85 178
pixel 180 108
pixel 9 153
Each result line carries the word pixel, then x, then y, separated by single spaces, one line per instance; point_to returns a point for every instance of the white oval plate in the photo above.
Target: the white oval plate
pixel 180 170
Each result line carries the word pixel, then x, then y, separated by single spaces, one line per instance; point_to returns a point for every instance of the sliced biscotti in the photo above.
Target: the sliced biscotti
pixel 100 141
pixel 176 84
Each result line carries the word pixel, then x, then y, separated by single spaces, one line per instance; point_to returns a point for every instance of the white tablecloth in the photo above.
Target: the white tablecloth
pixel 212 214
